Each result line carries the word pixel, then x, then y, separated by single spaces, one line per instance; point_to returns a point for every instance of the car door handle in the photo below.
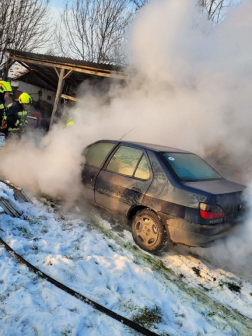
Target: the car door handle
pixel 136 189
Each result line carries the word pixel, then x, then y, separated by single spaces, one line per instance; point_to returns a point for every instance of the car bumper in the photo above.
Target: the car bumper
pixel 192 234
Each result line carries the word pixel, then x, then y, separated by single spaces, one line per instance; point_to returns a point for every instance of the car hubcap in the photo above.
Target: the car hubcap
pixel 147 231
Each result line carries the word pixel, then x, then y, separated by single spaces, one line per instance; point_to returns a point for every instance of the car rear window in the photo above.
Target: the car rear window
pixel 190 167
pixel 97 153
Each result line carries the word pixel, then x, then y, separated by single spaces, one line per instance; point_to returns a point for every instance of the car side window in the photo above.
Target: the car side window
pixel 97 153
pixel 142 171
pixel 125 160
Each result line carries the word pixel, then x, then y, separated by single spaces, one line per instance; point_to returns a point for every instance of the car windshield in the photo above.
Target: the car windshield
pixel 190 167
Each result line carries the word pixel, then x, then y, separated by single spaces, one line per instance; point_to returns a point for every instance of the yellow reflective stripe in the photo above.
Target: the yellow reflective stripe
pixel 70 123
pixel 1 106
pixel 22 113
pixel 13 129
pixel 17 122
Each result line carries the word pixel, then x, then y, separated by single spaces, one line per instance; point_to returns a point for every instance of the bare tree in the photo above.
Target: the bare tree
pixel 217 10
pixel 94 30
pixel 139 3
pixel 24 25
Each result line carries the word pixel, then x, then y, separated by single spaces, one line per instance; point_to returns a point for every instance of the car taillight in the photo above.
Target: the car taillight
pixel 210 211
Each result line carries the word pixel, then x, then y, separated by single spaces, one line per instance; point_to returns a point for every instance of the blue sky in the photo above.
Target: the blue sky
pixel 57 3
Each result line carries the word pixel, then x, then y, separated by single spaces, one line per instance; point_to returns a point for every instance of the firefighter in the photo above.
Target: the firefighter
pixel 70 122
pixel 5 91
pixel 17 114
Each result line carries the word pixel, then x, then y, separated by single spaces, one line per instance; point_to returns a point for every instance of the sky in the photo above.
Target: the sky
pixel 57 3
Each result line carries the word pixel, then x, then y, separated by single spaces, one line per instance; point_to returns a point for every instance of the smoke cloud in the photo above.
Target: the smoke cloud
pixel 190 88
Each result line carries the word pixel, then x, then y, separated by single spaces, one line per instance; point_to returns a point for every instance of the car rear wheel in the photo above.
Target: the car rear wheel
pixel 148 231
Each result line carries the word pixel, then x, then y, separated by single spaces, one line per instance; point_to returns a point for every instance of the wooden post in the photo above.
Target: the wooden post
pixel 58 94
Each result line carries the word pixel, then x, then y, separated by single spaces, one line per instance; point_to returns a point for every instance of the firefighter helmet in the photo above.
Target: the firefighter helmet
pixel 5 87
pixel 25 98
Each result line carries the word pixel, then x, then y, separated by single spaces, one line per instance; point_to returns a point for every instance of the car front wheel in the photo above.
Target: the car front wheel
pixel 148 231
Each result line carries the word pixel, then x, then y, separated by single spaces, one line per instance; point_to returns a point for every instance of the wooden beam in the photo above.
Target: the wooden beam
pixel 112 74
pixel 69 97
pixel 57 72
pixel 69 64
pixel 38 73
pixel 58 94
pixel 68 74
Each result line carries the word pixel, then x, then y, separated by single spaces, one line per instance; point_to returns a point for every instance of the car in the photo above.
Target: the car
pixel 163 194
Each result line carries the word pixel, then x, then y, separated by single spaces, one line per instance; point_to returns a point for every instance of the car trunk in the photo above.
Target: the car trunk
pixel 225 193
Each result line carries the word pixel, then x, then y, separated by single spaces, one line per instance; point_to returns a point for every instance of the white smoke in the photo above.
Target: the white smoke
pixel 50 165
pixel 234 252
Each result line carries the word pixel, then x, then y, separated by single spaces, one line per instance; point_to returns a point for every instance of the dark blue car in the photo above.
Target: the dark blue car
pixel 161 192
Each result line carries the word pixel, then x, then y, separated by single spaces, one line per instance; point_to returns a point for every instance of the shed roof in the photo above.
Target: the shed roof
pixel 44 73
pixel 58 60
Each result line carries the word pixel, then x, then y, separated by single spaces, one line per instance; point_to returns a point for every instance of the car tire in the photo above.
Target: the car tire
pixel 148 231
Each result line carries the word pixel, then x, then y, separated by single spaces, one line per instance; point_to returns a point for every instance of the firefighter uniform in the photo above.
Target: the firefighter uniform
pixel 17 115
pixel 5 90
pixel 70 122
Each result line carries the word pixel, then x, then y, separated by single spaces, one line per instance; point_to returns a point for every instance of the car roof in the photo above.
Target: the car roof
pixel 157 148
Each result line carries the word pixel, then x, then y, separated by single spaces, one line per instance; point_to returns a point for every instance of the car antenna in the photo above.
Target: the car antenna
pixel 127 133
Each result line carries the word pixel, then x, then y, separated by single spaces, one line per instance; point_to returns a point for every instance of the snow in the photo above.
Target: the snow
pixel 16 70
pixel 86 250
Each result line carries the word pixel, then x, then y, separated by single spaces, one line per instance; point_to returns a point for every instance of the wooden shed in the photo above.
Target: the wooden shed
pixel 62 75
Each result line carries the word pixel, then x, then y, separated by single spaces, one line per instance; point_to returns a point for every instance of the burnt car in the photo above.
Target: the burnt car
pixel 162 193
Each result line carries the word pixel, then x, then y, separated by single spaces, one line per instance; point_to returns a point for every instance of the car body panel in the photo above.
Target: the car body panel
pixel 182 231
pixel 225 193
pixel 176 202
pixel 89 175
pixel 118 193
pixel 166 187
pixel 216 187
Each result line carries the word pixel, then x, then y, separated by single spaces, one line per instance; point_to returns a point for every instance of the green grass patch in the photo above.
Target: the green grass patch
pixel 147 317
pixel 196 271
pixel 24 232
pixel 205 288
pixel 233 287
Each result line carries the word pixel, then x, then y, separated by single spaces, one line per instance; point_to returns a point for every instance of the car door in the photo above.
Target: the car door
pixel 95 156
pixel 124 180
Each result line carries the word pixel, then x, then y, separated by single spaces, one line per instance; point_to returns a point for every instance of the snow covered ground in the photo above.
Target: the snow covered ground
pixel 175 294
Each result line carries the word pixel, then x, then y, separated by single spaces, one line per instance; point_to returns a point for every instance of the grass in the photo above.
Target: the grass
pixel 233 287
pixel 196 271
pixel 25 232
pixel 205 288
pixel 147 317
pixel 225 313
